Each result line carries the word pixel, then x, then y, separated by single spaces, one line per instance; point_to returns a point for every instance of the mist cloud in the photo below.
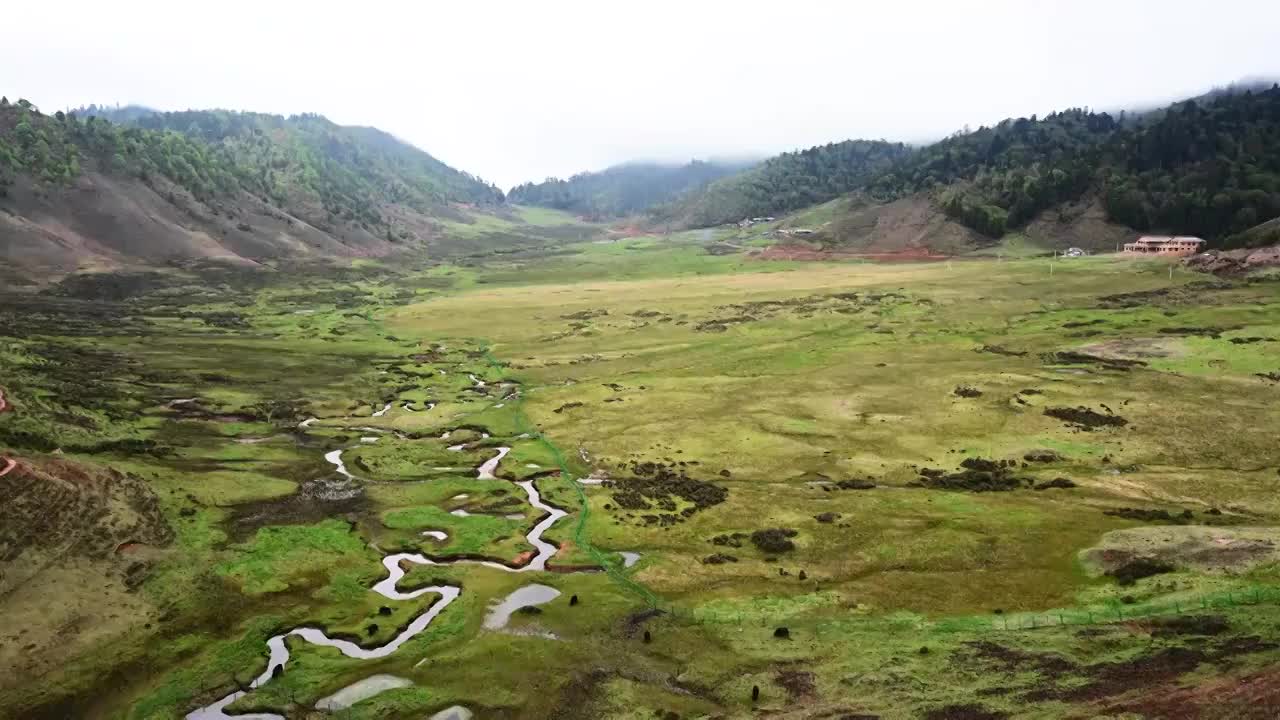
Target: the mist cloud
pixel 516 91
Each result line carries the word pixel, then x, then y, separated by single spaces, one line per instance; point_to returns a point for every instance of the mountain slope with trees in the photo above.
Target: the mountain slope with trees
pixel 164 186
pixel 784 183
pixel 623 189
pixel 1207 167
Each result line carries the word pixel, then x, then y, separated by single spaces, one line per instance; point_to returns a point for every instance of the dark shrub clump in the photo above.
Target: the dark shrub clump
pixel 774 540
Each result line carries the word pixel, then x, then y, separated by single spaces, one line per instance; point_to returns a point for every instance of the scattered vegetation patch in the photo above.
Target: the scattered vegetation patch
pixel 660 486
pixel 1149 515
pixel 1139 568
pixel 976 475
pixel 1000 350
pixel 1191 293
pixel 1056 483
pixel 277 556
pixel 1188 625
pixel 1084 418
pixel 729 539
pixel 968 711
pixel 1042 456
pixel 774 540
pixel 1071 357
pixel 718 559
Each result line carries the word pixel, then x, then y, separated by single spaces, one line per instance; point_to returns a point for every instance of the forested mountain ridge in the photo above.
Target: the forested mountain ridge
pixel 350 170
pixel 786 182
pixel 1209 170
pixel 622 189
pixel 214 183
pixel 1207 167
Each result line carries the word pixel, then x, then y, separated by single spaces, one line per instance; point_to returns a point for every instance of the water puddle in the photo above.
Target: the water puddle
pixel 629 558
pixel 334 457
pixel 453 712
pixel 280 651
pixel 362 690
pixel 500 614
pixel 383 411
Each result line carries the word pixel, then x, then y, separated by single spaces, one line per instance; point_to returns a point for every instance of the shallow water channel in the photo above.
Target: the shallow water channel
pixel 388 587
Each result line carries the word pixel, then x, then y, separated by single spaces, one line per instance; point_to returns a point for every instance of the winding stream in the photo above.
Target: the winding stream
pixel 388 588
pixel 486 470
pixel 334 457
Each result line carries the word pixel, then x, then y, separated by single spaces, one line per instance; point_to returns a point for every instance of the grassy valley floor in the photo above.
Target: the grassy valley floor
pixel 968 489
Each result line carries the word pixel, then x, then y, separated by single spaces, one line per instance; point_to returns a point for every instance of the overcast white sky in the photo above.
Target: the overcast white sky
pixel 516 91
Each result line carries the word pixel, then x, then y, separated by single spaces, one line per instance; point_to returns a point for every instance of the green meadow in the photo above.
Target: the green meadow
pixel 992 487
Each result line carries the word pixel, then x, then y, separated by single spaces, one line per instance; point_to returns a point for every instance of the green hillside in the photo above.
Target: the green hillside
pixel 349 170
pixel 623 189
pixel 1207 167
pixel 80 189
pixel 787 182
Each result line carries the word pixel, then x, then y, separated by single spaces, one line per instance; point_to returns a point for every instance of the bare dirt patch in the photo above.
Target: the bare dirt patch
pixel 967 711
pixel 799 684
pixel 1206 549
pixel 1071 357
pixel 1251 697
pixel 1060 678
pixel 1081 224
pixel 1195 293
pixel 806 253
pixel 913 227
pixel 1144 673
pixel 54 509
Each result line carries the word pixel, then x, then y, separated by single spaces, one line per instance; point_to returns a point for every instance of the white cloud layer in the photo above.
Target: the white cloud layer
pixel 516 91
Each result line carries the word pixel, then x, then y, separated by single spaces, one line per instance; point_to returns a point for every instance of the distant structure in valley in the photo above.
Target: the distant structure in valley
pixel 1165 245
